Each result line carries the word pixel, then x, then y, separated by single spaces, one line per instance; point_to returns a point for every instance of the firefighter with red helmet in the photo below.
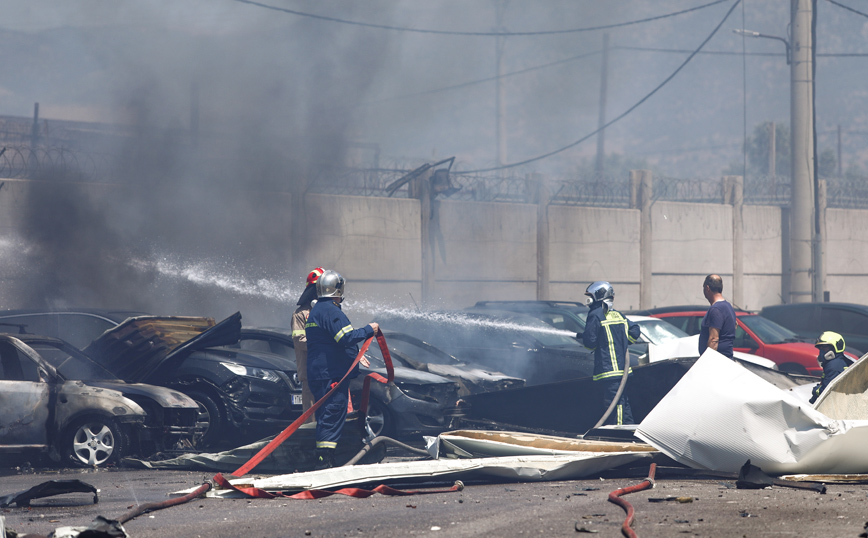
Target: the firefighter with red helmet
pixel 299 319
pixel 332 346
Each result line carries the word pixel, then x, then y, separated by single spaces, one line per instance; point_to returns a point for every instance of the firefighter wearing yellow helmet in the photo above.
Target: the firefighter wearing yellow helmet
pixel 831 357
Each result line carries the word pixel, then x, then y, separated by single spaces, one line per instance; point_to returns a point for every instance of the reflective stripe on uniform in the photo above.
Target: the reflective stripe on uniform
pixel 298 332
pixel 310 324
pixel 326 444
pixel 342 332
pixel 607 375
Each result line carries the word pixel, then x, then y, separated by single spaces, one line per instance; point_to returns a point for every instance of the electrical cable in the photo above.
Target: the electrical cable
pixel 619 117
pixel 484 34
pixel 483 80
pixel 848 8
pixel 735 53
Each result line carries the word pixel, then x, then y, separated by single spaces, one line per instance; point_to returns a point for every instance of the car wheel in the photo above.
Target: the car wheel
pixel 94 442
pixel 210 421
pixel 379 420
pixel 792 368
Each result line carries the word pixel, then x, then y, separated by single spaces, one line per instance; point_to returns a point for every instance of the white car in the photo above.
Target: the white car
pixel 666 341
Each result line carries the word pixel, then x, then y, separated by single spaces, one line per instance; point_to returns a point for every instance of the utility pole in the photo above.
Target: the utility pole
pixel 600 167
pixel 804 273
pixel 499 42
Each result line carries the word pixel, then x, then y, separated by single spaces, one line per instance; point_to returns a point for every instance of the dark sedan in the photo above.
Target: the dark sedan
pixel 808 320
pixel 515 344
pixel 416 403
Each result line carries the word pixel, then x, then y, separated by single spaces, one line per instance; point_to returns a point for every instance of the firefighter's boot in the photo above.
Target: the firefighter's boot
pixel 324 458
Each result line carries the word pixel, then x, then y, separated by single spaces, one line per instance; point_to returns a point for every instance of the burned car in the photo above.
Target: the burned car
pixel 57 401
pixel 418 402
pixel 241 394
pixel 516 344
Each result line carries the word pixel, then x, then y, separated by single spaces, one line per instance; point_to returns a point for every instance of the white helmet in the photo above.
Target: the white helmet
pixel 601 291
pixel 330 284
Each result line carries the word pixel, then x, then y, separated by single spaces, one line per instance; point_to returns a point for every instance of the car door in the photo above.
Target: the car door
pixel 744 342
pixel 24 399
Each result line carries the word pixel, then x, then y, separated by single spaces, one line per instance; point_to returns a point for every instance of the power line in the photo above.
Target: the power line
pixel 734 53
pixel 487 79
pixel 623 114
pixel 486 34
pixel 848 8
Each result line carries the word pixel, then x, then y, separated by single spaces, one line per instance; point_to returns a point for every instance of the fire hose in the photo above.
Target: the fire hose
pixel 615 497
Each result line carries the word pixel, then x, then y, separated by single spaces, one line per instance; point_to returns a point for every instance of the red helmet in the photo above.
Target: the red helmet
pixel 314 275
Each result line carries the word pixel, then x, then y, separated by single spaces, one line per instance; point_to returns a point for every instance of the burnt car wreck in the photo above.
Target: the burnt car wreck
pixel 49 408
pixel 238 392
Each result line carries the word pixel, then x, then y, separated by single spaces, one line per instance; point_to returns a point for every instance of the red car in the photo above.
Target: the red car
pixel 753 334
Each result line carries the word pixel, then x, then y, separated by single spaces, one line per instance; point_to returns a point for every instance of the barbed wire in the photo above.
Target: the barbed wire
pixel 585 189
pixel 25 162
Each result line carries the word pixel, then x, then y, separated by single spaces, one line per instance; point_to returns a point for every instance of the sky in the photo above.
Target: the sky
pixel 281 72
pixel 279 96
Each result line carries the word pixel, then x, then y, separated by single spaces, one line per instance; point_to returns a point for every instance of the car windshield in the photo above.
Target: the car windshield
pixel 768 331
pixel 72 364
pixel 658 331
pixel 539 330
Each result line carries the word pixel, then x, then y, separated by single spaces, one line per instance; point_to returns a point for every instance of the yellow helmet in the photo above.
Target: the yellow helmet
pixel 833 339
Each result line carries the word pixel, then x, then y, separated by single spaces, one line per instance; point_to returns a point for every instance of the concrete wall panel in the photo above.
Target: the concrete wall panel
pixel 590 243
pixel 690 239
pixel 486 241
pixel 762 241
pixel 365 238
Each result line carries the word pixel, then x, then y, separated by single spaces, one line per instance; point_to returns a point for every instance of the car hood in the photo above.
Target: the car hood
pixel 166 398
pixel 138 347
pixel 253 359
pixel 408 375
pixel 678 348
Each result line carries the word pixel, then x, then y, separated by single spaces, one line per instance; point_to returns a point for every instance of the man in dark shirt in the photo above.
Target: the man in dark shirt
pixel 718 325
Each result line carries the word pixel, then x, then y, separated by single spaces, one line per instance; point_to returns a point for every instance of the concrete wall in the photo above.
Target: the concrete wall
pixel 489 250
pixel 690 241
pixel 847 255
pixel 592 243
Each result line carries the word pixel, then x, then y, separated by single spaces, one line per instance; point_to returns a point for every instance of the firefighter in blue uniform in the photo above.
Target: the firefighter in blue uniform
pixel 332 346
pixel 609 333
pixel 831 357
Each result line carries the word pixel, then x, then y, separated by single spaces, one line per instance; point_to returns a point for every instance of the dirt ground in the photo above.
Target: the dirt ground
pixel 566 508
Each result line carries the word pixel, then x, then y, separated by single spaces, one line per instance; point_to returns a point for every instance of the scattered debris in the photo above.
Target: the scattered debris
pixel 48 489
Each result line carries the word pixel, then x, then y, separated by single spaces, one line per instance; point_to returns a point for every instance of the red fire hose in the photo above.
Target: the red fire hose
pixel 615 497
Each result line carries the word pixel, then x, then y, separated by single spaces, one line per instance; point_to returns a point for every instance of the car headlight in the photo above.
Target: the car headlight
pixel 247 371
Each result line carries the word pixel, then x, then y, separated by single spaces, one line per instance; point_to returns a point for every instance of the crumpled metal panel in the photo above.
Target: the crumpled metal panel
pixel 25 412
pixel 720 415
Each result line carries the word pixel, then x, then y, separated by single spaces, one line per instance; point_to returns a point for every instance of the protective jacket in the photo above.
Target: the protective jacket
pixel 608 334
pixel 832 368
pixel 332 343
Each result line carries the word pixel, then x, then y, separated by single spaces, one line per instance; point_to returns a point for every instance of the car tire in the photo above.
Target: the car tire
pixel 211 422
pixel 94 441
pixel 379 421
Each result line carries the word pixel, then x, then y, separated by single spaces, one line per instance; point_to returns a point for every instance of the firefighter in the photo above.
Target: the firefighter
pixel 609 333
pixel 831 358
pixel 299 320
pixel 332 346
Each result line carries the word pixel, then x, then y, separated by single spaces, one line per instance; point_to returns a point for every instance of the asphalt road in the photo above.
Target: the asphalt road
pixel 552 509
